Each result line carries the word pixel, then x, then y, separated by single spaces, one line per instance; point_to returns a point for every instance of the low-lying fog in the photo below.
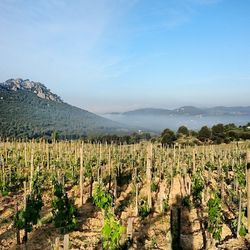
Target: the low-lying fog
pixel 159 123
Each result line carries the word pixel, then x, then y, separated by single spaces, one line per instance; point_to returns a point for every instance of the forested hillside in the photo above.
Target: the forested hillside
pixel 34 113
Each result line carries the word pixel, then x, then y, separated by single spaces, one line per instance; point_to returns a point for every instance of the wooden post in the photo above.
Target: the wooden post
pixel 136 199
pixel 109 166
pixel 31 169
pixel 81 176
pixel 239 218
pixel 25 238
pixel 178 160
pixel 24 194
pixel 115 188
pixel 130 228
pixel 193 161
pixel 248 190
pixel 148 173
pixel 175 226
pixel 57 244
pixel 47 149
pixel 99 168
pixel 66 242
pixel 18 242
pixel 25 155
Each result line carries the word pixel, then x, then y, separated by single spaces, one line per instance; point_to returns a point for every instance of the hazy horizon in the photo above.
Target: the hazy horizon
pixel 115 56
pixel 158 123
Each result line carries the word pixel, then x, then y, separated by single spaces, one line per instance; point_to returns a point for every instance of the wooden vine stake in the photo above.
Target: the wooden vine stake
pixel 81 176
pixel 24 194
pixel 248 190
pixel 136 199
pixel 57 244
pixel 66 242
pixel 130 228
pixel 193 161
pixel 239 218
pixel 17 230
pixel 148 173
pixel 25 238
pixel 109 166
pixel 31 169
pixel 47 151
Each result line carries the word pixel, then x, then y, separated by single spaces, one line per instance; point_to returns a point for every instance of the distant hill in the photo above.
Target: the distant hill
pixel 157 120
pixel 29 109
pixel 148 111
pixel 190 111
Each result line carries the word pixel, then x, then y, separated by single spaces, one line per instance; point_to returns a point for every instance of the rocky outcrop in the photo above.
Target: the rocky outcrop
pixel 36 87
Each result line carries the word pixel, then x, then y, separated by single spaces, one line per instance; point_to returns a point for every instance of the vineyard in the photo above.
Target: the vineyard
pixel 75 195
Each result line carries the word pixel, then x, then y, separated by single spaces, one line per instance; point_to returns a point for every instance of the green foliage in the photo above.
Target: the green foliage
pixel 13 181
pixel 111 232
pixel 197 188
pixel 210 166
pixel 101 198
pixel 90 164
pixel 154 187
pixel 143 209
pixel 183 130
pixel 26 218
pixel 165 205
pixel 204 133
pixel 233 225
pixel 240 173
pixel 243 231
pixel 168 137
pixel 38 118
pixel 215 217
pixel 63 209
pixel 186 202
pixel 219 133
pixel 153 244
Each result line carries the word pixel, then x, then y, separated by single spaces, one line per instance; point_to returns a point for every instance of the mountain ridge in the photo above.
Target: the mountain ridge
pixel 29 110
pixel 189 111
pixel 36 87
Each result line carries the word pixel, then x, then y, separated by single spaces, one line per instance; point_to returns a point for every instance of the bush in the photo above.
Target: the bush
pixel 183 130
pixel 111 232
pixel 144 209
pixel 186 202
pixel 243 231
pixel 63 209
pixel 167 137
pixel 154 187
pixel 26 218
pixel 101 198
pixel 197 188
pixel 165 205
pixel 215 217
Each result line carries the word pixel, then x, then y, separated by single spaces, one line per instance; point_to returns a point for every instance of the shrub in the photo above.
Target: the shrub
pixel 215 217
pixel 101 198
pixel 111 232
pixel 186 202
pixel 197 188
pixel 28 216
pixel 63 209
pixel 154 187
pixel 144 209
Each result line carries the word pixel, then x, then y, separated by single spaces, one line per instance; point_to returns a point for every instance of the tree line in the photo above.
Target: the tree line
pixel 217 134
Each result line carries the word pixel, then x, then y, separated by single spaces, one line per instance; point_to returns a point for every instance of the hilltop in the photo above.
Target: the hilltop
pixel 29 109
pixel 189 111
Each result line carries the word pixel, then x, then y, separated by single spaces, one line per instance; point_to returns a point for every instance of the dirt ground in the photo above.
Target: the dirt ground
pixel 153 232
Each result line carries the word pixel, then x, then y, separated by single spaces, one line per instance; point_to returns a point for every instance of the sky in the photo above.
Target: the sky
pixel 119 55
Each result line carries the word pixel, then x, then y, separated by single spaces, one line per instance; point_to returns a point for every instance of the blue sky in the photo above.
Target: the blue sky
pixel 116 55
